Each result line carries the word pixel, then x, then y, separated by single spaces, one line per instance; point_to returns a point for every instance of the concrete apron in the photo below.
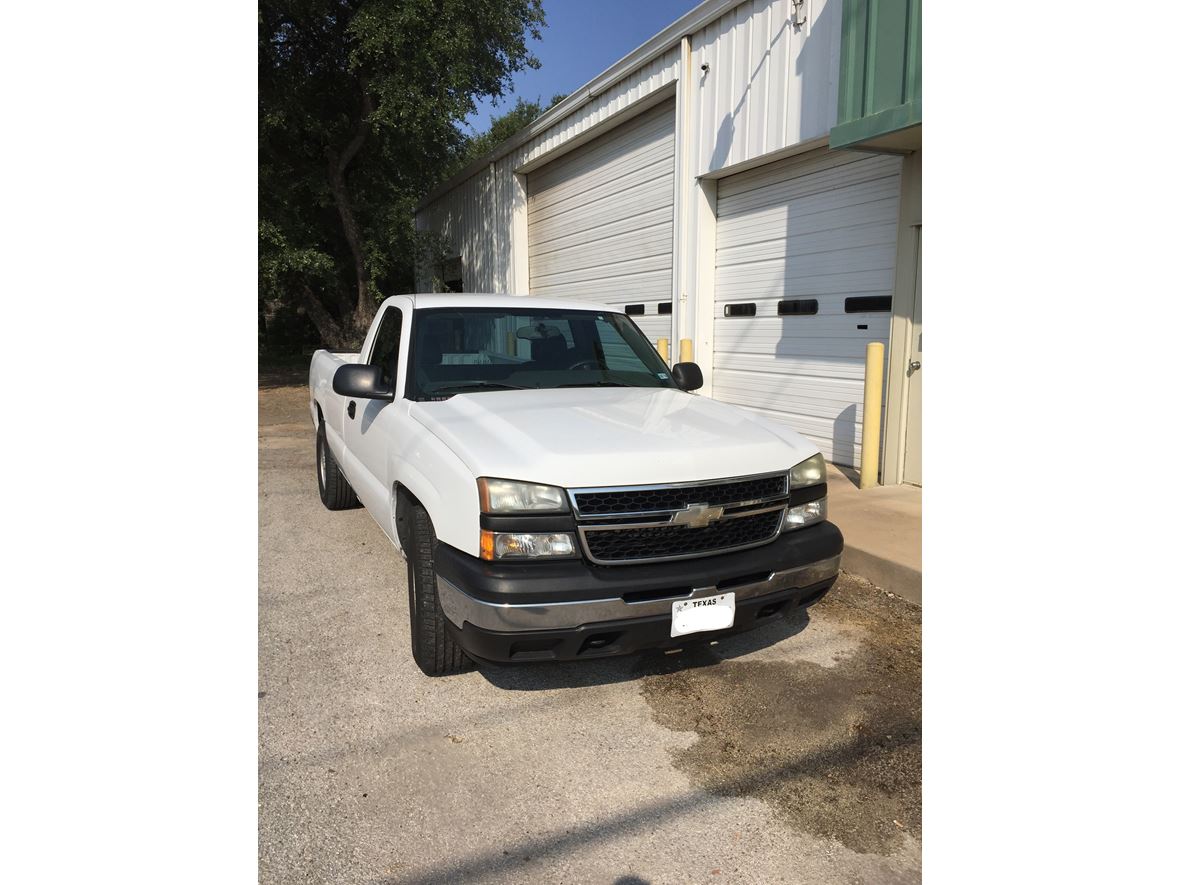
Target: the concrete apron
pixel 882 532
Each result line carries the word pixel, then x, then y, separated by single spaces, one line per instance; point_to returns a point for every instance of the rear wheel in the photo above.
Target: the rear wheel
pixel 335 491
pixel 435 652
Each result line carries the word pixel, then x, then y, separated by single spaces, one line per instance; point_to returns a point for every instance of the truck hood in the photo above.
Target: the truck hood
pixel 600 436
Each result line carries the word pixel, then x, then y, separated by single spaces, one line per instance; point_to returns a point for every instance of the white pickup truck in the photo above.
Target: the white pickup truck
pixel 557 490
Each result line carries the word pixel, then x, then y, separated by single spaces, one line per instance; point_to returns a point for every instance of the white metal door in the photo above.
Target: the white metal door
pixel 817 233
pixel 600 221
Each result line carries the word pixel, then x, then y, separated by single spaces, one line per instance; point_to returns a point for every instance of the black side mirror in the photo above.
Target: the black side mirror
pixel 688 376
pixel 361 381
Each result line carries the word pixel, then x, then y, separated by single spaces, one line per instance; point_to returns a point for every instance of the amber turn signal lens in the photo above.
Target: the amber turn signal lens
pixel 487 544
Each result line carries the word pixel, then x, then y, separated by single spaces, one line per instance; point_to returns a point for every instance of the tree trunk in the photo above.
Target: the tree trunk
pixel 332 333
pixel 365 309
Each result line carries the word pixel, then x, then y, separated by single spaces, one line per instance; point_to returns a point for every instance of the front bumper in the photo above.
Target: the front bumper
pixel 571 609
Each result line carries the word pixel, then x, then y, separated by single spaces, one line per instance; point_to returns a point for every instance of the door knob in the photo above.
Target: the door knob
pixel 915 365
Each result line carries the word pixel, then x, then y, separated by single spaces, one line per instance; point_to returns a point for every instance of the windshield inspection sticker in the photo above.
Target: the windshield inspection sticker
pixel 663 376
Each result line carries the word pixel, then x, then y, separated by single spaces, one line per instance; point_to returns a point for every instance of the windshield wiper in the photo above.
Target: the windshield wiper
pixel 477 385
pixel 596 384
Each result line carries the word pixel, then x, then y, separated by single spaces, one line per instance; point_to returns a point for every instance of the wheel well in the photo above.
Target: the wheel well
pixel 403 499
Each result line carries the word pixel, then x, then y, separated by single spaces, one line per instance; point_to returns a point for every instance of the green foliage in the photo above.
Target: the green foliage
pixel 503 128
pixel 359 106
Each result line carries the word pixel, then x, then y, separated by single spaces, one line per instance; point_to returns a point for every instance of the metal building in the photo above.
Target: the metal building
pixel 747 181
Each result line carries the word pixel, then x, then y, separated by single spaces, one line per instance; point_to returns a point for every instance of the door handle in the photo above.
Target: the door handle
pixel 352 408
pixel 915 365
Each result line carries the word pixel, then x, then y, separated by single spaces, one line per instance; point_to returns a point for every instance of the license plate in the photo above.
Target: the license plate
pixel 703 613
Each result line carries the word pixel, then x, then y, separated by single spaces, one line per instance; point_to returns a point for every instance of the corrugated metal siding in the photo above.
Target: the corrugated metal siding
pixel 600 219
pixel 770 84
pixel 651 77
pixel 822 226
pixel 471 220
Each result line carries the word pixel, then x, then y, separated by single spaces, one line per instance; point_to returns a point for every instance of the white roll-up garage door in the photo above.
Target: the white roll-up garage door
pixel 600 221
pixel 804 274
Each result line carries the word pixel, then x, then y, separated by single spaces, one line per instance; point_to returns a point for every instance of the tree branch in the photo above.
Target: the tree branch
pixel 329 329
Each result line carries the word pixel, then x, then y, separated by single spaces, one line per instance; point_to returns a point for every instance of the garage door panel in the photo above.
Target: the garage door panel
pixel 600 220
pixel 634 143
pixel 656 175
pixel 744 282
pixel 804 395
pixel 651 324
pixel 771 333
pixel 605 181
pixel 853 174
pixel 590 218
pixel 829 245
pixel 622 241
pixel 766 223
pixel 632 288
pixel 800 367
pixel 820 228
pixel 604 272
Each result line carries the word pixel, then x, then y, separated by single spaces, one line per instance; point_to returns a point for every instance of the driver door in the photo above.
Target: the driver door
pixel 369 424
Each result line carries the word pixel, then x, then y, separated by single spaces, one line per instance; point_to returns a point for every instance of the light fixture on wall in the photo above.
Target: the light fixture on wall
pixel 799 16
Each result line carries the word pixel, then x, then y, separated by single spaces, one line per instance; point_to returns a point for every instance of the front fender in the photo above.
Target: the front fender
pixel 441 482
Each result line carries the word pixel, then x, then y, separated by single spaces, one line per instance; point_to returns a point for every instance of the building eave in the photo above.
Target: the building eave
pixel 692 21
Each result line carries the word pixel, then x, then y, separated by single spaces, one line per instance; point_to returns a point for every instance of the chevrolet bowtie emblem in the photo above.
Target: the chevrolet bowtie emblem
pixel 697 516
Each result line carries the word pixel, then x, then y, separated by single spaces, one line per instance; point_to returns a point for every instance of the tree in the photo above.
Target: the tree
pixel 501 129
pixel 359 102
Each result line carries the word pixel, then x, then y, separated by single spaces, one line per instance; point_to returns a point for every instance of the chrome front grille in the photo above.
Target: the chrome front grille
pixel 678 521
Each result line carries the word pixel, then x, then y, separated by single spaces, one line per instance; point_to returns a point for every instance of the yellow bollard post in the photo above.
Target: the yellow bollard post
pixel 686 350
pixel 662 347
pixel 870 441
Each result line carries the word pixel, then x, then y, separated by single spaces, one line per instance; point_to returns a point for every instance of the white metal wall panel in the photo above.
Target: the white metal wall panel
pixel 472 222
pixel 821 226
pixel 771 82
pixel 600 220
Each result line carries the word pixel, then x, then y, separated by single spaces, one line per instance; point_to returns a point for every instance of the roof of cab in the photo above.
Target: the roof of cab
pixel 472 299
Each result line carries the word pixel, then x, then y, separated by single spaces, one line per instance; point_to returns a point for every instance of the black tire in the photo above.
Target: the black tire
pixel 335 491
pixel 435 652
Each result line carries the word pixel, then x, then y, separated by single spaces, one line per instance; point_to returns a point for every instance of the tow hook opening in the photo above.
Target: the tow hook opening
pixel 599 642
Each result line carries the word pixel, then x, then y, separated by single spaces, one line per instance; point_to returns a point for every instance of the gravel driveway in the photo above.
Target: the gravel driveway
pixel 788 754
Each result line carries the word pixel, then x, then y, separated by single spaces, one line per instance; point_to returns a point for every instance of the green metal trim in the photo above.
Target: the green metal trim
pixel 852 60
pixel 864 128
pixel 880 69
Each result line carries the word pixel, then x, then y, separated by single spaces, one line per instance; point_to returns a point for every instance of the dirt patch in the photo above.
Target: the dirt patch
pixel 836 750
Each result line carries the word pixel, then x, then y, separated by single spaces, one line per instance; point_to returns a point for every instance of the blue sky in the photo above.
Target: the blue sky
pixel 581 40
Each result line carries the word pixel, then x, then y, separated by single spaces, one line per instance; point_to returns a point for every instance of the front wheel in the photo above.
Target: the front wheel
pixel 435 652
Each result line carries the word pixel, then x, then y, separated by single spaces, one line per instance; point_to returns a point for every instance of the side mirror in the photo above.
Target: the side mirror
pixel 361 381
pixel 688 376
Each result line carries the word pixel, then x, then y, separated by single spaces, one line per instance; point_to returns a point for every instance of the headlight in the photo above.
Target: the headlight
pixel 521 545
pixel 806 514
pixel 509 496
pixel 809 473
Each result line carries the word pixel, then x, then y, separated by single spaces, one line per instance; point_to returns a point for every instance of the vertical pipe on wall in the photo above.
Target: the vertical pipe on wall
pixel 686 350
pixel 684 180
pixel 662 347
pixel 870 439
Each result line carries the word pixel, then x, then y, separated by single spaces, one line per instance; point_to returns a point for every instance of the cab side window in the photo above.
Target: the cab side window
pixel 386 344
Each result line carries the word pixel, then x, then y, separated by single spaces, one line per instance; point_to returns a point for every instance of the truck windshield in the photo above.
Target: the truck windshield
pixel 468 350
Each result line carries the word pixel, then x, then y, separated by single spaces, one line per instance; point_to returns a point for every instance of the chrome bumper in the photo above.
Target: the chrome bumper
pixel 460 608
